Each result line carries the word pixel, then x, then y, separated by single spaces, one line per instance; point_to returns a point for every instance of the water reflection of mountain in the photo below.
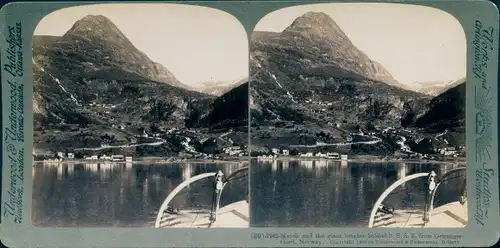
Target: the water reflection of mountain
pixel 119 194
pixel 321 193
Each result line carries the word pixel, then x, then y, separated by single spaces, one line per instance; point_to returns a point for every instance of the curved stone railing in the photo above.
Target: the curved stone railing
pixel 191 180
pixel 432 184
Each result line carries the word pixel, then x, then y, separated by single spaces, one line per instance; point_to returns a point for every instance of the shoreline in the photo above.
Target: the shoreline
pixel 238 160
pixel 142 161
pixel 364 160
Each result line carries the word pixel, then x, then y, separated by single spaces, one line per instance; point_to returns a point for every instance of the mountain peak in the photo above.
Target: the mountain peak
pixel 97 26
pixel 318 21
pixel 314 17
pixel 92 22
pixel 95 19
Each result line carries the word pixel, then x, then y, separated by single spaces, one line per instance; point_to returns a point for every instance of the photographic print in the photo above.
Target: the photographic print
pixel 140 117
pixel 358 117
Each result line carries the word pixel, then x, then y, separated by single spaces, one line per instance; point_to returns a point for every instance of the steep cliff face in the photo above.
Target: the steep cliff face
pixel 435 88
pixel 220 88
pixel 325 36
pixel 312 72
pixel 94 64
pixel 446 111
pixel 98 44
pixel 229 110
pixel 94 77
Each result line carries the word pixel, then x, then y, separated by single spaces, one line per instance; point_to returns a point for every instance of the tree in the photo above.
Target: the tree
pixel 154 128
pixel 370 126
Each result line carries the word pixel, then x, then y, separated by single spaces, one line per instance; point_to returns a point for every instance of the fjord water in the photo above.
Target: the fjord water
pixel 121 195
pixel 302 193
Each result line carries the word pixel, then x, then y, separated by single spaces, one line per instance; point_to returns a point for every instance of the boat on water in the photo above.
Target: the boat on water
pixel 448 215
pixel 233 215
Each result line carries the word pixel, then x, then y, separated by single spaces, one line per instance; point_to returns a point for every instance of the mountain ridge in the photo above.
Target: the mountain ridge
pixel 92 87
pixel 310 85
pixel 318 30
pixel 219 88
pixel 435 88
pixel 275 58
pixel 90 32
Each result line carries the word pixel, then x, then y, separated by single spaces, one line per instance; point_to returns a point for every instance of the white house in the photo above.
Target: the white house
pixel 234 152
pixel 71 155
pixel 275 151
pixel 117 157
pixel 321 155
pixel 343 157
pixel 333 155
pixel 447 153
pixel 105 157
pixel 286 152
pixel 60 154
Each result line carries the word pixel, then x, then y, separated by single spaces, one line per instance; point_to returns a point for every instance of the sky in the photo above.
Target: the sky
pixel 197 44
pixel 414 43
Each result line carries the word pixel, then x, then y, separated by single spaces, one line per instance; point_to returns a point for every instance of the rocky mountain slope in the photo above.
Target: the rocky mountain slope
pixel 434 88
pixel 95 64
pixel 312 71
pixel 446 111
pixel 213 88
pixel 220 88
pixel 310 84
pixel 229 110
pixel 95 78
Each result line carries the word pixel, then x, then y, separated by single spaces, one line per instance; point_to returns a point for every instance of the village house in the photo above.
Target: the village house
pixel 264 157
pixel 231 149
pixel 286 152
pixel 309 154
pixel 234 152
pixel 128 159
pixel 275 151
pixel 117 157
pixel 60 154
pixel 105 157
pixel 52 161
pixel 321 155
pixel 333 155
pixel 448 151
pixel 93 157
pixel 343 157
pixel 71 155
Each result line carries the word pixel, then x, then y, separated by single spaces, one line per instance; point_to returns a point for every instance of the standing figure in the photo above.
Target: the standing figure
pixel 463 196
pixel 218 183
pixel 431 183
